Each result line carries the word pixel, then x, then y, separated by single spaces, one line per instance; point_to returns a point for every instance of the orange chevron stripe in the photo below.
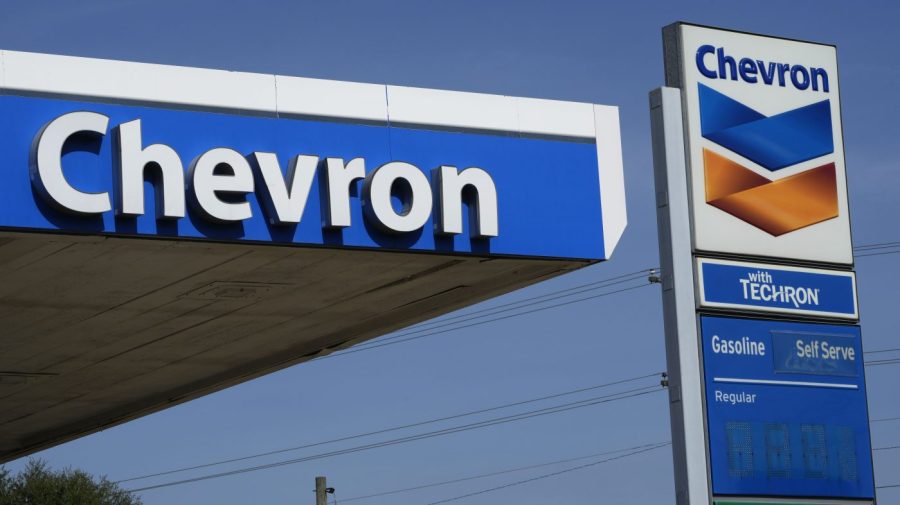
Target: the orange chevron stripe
pixel 776 207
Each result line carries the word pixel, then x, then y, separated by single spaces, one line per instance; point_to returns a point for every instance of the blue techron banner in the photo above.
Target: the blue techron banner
pixel 786 409
pixel 547 189
pixel 781 289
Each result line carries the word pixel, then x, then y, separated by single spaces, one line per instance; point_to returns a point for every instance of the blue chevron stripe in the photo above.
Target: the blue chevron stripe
pixel 773 142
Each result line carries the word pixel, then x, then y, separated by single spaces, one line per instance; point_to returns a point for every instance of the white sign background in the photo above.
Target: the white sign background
pixel 717 231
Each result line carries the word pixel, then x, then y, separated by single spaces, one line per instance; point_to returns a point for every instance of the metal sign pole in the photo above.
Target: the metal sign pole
pixel 682 342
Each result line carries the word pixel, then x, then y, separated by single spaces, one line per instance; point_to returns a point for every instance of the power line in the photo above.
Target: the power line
pixel 876 245
pixel 539 309
pixel 468 316
pixel 884 419
pixel 545 476
pixel 422 436
pixel 888 448
pixel 446 431
pixel 438 332
pixel 590 286
pixel 876 254
pixel 887 486
pixel 503 472
pixel 445 323
pixel 506 307
pixel 880 362
pixel 881 351
pixel 489 312
pixel 877 249
pixel 394 428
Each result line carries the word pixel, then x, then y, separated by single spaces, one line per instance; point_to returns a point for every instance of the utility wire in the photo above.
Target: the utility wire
pixel 880 351
pixel 884 419
pixel 876 245
pixel 888 448
pixel 448 322
pixel 456 429
pixel 500 318
pixel 468 316
pixel 506 307
pixel 881 362
pixel 547 475
pixel 422 436
pixel 605 283
pixel 503 472
pixel 649 446
pixel 876 254
pixel 877 249
pixel 394 428
pixel 539 477
pixel 588 286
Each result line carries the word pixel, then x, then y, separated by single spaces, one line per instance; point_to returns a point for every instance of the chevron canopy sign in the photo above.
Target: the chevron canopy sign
pixel 764 145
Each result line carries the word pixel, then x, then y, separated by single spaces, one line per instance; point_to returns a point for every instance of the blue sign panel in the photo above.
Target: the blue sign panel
pixel 786 409
pixel 547 190
pixel 755 286
pixel 795 352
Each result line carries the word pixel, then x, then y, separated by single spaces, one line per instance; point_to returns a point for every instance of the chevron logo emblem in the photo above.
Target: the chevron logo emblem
pixel 774 143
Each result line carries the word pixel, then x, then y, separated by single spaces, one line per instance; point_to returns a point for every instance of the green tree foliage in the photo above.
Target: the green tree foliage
pixel 37 484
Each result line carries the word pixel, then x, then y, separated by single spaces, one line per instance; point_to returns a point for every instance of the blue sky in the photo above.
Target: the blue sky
pixel 607 53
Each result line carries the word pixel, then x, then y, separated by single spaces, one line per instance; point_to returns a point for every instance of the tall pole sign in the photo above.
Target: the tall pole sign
pixel 764 351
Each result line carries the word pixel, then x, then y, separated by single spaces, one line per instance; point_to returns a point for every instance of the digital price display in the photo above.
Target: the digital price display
pixel 786 409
